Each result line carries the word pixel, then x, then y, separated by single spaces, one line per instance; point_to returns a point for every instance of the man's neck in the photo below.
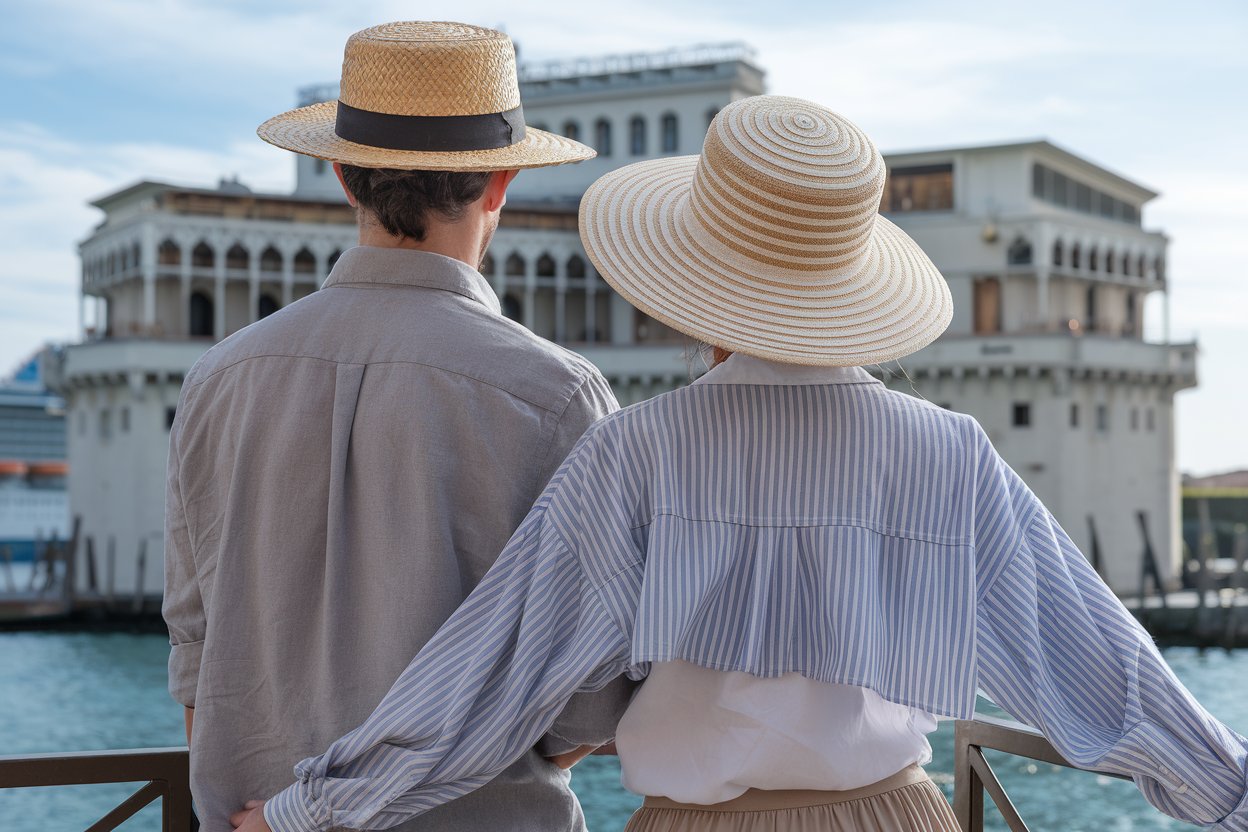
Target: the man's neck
pixel 453 241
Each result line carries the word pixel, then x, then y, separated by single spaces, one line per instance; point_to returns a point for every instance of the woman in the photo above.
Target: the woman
pixel 805 567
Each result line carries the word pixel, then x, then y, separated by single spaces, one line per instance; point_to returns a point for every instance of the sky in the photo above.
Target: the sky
pixel 95 95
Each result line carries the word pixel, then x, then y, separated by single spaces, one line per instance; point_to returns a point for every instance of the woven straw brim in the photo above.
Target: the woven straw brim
pixel 636 230
pixel 310 131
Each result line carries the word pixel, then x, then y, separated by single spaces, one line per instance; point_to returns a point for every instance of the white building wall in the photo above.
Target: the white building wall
pixel 1081 471
pixel 315 179
pixel 117 482
pixel 691 110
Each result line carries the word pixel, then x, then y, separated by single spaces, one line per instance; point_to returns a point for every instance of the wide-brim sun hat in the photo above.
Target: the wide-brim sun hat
pixel 770 242
pixel 424 96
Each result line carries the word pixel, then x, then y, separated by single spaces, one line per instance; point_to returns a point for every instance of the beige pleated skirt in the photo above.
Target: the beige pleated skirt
pixel 906 802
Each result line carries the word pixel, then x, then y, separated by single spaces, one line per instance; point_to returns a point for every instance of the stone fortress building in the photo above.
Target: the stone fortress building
pixel 1044 251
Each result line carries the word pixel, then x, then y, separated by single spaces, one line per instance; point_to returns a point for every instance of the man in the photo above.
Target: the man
pixel 343 473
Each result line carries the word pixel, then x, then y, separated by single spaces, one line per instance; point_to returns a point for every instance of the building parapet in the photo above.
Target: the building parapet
pixel 1174 364
pixel 697 55
pixel 132 360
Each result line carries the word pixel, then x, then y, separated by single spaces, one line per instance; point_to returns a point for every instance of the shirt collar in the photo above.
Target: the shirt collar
pixel 748 369
pixel 365 265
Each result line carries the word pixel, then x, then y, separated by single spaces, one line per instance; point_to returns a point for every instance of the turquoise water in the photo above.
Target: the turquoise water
pixel 76 691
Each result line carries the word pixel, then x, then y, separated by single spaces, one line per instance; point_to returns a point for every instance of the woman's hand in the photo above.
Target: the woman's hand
pixel 251 818
pixel 571 758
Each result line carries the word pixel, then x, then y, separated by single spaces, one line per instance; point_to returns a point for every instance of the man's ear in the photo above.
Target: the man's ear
pixel 343 183
pixel 495 196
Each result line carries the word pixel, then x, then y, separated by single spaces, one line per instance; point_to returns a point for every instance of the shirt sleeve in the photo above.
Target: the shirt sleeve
pixel 480 693
pixel 1059 651
pixel 589 718
pixel 183 606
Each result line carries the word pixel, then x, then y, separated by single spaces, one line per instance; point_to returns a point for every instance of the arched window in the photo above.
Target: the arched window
pixel 1126 265
pixel 1019 253
pixel 266 306
pixel 637 136
pixel 487 264
pixel 1142 271
pixel 710 115
pixel 514 266
pixel 125 260
pixel 270 260
pixel 1094 259
pixel 305 261
pixel 202 319
pixel 576 267
pixel 169 254
pixel 1057 253
pixel 602 137
pixel 1159 268
pixel 512 308
pixel 1109 261
pixel 572 130
pixel 134 255
pixel 202 257
pixel 1128 328
pixel 333 258
pixel 668 128
pixel 1076 257
pixel 1090 317
pixel 545 266
pixel 236 257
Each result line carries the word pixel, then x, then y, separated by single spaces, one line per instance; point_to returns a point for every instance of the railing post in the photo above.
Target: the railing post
pixel 177 802
pixel 968 791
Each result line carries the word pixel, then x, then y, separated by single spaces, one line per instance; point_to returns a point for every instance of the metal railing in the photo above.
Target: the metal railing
pixel 167 773
pixel 972 776
pixel 165 770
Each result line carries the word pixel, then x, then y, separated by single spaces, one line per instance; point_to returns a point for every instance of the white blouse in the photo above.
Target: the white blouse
pixel 705 736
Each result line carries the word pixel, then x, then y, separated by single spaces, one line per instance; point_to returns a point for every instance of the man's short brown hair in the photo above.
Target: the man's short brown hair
pixel 402 200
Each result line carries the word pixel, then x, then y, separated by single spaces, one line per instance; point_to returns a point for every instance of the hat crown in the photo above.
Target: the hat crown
pixel 788 183
pixel 430 69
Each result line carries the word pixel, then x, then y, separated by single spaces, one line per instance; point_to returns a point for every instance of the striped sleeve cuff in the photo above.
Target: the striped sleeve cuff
pixel 295 810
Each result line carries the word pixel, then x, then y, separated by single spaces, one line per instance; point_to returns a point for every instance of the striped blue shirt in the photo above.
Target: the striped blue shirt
pixel 840 530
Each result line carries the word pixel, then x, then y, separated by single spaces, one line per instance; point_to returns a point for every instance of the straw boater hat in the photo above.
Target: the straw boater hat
pixel 770 243
pixel 424 96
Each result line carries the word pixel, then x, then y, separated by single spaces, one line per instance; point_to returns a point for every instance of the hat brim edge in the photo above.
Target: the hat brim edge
pixel 309 131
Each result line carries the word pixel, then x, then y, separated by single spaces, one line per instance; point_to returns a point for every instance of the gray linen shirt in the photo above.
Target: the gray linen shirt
pixel 341 475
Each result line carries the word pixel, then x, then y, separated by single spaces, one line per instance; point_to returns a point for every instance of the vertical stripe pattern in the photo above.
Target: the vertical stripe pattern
pixel 841 531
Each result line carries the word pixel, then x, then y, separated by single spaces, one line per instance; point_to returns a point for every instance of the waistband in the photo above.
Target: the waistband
pixel 766 800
